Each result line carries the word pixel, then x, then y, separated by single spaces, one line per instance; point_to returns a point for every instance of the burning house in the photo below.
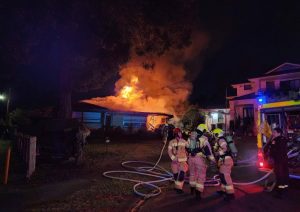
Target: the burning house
pixel 96 117
pixel 150 89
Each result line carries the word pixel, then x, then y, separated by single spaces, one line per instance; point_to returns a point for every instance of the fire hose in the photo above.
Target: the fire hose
pixel 153 170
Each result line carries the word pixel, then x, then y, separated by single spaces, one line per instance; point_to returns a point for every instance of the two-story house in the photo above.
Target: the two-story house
pixel 279 84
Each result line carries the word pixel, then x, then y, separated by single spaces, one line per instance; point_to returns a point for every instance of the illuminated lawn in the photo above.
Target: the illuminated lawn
pixel 84 188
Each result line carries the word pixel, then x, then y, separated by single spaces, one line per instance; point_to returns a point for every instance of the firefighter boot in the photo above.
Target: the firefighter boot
pixel 278 193
pixel 221 193
pixel 179 191
pixel 192 190
pixel 198 195
pixel 229 197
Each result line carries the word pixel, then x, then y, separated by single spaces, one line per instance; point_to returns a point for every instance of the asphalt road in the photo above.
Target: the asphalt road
pixel 248 198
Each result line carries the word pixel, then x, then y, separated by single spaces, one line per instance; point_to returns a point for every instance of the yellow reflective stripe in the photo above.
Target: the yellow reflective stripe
pixel 182 159
pixel 229 187
pixel 199 185
pixel 283 186
pixel 192 183
pixel 211 158
pixel 178 183
pixel 200 154
pixel 182 144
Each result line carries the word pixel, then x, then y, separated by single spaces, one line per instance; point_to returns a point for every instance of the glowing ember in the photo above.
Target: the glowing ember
pixel 126 92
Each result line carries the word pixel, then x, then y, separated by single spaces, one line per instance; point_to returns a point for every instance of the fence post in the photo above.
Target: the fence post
pixel 7 165
pixel 31 156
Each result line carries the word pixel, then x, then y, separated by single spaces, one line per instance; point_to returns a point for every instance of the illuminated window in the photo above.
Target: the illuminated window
pixel 134 121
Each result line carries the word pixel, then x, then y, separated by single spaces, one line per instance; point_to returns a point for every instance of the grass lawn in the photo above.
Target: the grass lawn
pixel 83 188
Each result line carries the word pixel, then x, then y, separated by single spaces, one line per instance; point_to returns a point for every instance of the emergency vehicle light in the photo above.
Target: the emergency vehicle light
pixel 261 99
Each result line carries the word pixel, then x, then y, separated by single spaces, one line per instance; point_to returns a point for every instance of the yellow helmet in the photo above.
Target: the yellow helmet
pixel 202 127
pixel 218 132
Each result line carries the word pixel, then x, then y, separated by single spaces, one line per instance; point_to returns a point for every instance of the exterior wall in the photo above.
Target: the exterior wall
pixel 117 120
pixel 236 109
pixel 217 116
pixel 277 79
pixel 236 106
pixel 241 91
pixel 91 119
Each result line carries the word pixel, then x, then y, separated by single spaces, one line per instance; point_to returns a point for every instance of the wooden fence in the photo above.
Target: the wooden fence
pixel 26 147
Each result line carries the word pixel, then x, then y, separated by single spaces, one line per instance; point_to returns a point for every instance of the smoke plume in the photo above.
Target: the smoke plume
pixel 154 83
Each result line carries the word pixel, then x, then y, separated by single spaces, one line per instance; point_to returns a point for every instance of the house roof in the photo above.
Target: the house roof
pixel 283 68
pixel 86 107
pixel 248 96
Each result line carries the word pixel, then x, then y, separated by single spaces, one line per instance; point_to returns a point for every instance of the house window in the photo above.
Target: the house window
pixel 295 84
pixel 248 112
pixel 134 121
pixel 290 84
pixel 91 119
pixel 247 87
pixel 270 85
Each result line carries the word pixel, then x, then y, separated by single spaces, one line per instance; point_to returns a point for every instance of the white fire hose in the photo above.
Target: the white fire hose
pixel 153 170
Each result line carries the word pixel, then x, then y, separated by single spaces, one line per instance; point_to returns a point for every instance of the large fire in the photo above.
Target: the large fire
pixel 130 92
pixel 162 89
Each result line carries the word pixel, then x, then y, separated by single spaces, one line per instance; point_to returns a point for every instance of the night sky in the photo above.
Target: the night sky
pixel 247 38
pixel 254 38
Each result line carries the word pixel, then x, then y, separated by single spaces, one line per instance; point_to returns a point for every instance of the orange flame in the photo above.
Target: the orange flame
pixel 131 92
pixel 126 92
pixel 162 89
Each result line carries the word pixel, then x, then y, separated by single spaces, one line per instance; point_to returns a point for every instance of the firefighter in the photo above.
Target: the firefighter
pixel 225 164
pixel 200 154
pixel 177 152
pixel 278 152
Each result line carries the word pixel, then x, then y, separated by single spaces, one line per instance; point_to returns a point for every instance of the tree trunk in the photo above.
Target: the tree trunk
pixel 65 102
pixel 65 105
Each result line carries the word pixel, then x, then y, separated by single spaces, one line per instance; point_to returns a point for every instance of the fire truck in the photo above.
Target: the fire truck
pixel 283 114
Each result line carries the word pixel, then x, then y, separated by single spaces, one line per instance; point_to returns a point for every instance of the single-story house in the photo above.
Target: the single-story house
pixel 96 117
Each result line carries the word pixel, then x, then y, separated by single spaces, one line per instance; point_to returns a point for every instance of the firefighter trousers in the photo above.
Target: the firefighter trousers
pixel 197 167
pixel 179 169
pixel 281 172
pixel 225 166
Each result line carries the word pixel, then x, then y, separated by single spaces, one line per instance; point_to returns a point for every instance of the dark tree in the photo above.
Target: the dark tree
pixel 85 42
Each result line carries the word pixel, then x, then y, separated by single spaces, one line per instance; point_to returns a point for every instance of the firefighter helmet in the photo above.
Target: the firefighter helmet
pixel 202 127
pixel 218 132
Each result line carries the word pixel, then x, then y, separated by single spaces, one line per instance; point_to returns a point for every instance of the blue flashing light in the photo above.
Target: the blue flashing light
pixel 261 99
